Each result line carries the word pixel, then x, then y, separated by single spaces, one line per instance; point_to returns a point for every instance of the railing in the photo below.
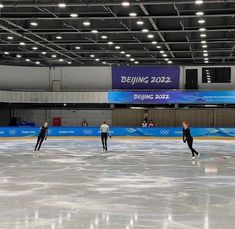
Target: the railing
pixel 53 97
pixel 116 131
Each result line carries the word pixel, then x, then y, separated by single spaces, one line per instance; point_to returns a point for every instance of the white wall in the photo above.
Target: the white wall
pixel 74 78
pixel 68 117
pixel 79 78
pixel 40 78
pixel 216 86
pixel 12 77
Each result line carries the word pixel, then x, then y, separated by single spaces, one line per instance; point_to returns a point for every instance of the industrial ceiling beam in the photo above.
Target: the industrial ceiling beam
pixel 81 18
pixel 14 4
pixel 70 31
pixel 37 42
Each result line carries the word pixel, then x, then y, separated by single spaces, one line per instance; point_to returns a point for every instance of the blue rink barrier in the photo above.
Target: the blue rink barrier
pixel 115 131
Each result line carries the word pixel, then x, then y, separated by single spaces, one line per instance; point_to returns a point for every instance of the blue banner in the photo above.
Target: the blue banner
pixel 115 131
pixel 173 97
pixel 146 77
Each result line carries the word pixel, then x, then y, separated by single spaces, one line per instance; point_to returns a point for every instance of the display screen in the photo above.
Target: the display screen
pixel 216 75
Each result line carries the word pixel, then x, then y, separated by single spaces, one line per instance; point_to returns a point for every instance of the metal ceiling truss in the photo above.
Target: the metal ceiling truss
pixel 173 24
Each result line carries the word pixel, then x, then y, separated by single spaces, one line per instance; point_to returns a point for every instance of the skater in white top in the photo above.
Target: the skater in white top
pixel 104 130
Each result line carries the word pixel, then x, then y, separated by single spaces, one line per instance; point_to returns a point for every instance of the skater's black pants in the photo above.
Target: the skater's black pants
pixel 190 145
pixel 104 137
pixel 39 142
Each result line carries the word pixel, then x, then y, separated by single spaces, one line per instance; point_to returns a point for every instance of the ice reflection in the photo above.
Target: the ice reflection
pixel 137 185
pixel 211 170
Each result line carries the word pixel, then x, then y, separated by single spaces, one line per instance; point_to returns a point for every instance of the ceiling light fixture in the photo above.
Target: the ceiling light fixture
pixel 22 43
pixel 92 56
pixel 74 15
pixel 139 22
pixel 201 21
pixel 69 62
pixel 125 4
pixel 203 35
pixel 133 14
pixel 18 56
pixel 27 60
pixel 94 31
pixel 62 5
pixel 33 23
pixel 202 29
pixel 150 36
pixel 117 47
pixel 35 48
pixel 44 53
pixel 77 47
pixel 145 30
pixel 199 2
pixel 104 37
pixel 10 38
pixel 86 23
pixel 199 13
pixel 6 53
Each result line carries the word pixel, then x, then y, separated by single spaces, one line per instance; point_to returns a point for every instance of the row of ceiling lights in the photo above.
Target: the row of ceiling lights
pixel 202 29
pixel 38 62
pixel 124 3
pixel 86 23
pixel 139 22
pixel 150 36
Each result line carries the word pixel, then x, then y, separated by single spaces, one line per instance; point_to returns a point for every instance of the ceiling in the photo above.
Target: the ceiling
pixel 42 33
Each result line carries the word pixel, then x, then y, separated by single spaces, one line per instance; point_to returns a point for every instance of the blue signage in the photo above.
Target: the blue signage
pixel 115 131
pixel 146 77
pixel 172 97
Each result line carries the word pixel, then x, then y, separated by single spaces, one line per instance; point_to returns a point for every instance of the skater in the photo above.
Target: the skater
pixel 104 130
pixel 41 137
pixel 187 137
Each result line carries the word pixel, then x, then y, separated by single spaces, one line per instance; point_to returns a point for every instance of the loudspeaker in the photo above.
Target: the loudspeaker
pixel 191 79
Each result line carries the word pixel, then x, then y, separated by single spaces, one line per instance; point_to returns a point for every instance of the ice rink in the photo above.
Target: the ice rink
pixel 138 184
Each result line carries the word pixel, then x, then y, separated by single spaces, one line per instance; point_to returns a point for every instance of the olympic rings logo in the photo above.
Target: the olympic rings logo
pixel 87 132
pixel 50 132
pixel 12 132
pixel 165 132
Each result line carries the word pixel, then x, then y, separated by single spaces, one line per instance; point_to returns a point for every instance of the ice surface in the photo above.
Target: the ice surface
pixel 138 184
